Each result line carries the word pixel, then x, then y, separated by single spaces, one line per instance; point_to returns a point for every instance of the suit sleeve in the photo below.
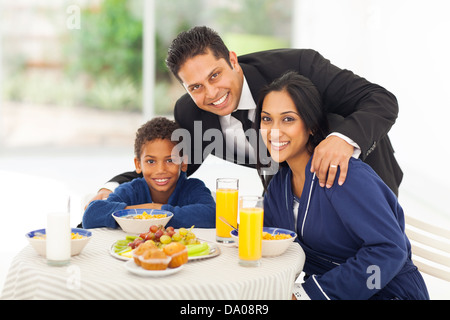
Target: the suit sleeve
pixel 369 109
pixel 126 177
pixel 184 114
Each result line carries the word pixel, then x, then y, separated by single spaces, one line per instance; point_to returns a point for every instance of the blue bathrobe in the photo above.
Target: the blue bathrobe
pixel 353 236
pixel 191 203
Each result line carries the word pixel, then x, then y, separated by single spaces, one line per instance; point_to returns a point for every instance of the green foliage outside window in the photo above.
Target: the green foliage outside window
pixel 108 49
pixel 110 43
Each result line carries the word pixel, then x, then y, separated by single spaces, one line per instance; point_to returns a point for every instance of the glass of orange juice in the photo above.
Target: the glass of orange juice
pixel 251 216
pixel 227 207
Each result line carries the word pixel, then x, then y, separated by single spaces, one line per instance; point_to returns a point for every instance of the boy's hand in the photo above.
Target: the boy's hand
pixel 145 206
pixel 328 155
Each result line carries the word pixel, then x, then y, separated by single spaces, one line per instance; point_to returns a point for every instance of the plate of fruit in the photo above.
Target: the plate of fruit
pixel 197 249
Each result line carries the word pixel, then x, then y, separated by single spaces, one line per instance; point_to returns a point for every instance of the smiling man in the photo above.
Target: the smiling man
pixel 222 91
pixel 219 85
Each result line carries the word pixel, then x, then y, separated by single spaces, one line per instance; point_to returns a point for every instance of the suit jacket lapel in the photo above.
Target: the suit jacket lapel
pixel 255 80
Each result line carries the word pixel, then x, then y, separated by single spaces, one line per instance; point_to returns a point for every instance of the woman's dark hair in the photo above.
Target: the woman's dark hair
pixel 193 42
pixel 157 128
pixel 308 102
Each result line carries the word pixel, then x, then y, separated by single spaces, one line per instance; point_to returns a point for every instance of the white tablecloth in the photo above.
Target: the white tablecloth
pixel 95 274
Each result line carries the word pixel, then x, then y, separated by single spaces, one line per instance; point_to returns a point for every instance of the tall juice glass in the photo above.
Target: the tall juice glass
pixel 251 216
pixel 227 207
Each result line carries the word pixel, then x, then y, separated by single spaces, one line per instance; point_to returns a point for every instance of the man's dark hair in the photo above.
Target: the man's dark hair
pixel 157 128
pixel 193 42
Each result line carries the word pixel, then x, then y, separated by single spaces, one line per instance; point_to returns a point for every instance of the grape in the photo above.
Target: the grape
pixel 154 228
pixel 149 236
pixel 136 243
pixel 190 236
pixel 170 233
pixel 191 241
pixel 183 231
pixel 177 237
pixel 165 239
pixel 158 234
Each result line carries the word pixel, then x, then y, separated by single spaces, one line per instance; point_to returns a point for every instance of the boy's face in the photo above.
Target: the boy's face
pixel 212 84
pixel 159 167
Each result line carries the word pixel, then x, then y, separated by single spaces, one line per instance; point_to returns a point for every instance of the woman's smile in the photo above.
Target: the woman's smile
pixel 278 146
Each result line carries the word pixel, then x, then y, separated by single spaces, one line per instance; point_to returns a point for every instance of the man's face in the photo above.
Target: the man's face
pixel 213 85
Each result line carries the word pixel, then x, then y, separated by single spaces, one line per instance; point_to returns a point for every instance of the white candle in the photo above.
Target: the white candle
pixel 58 237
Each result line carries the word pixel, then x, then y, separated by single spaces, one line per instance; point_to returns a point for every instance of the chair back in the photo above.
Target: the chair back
pixel 430 245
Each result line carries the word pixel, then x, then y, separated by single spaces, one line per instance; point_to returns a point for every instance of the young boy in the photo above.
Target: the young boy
pixel 164 184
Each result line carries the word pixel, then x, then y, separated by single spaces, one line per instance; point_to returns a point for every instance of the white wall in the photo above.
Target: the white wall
pixel 402 45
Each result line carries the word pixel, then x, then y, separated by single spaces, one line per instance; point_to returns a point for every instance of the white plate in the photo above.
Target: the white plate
pixel 133 268
pixel 213 252
pixel 115 255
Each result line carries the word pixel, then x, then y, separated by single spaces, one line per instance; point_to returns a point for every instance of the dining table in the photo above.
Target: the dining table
pixel 97 274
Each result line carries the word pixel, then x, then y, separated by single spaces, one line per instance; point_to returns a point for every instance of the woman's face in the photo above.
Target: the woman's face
pixel 283 130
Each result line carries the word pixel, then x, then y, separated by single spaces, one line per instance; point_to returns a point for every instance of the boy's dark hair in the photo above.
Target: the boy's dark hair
pixel 157 128
pixel 193 42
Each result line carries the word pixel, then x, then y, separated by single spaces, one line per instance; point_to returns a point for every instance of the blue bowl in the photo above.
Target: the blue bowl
pixel 81 232
pixel 76 245
pixel 271 230
pixel 271 248
pixel 134 212
pixel 137 226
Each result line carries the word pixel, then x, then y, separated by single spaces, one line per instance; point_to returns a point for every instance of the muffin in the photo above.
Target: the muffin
pixel 154 259
pixel 178 252
pixel 140 250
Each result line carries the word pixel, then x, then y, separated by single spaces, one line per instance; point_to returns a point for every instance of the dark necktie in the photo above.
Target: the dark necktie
pixel 242 116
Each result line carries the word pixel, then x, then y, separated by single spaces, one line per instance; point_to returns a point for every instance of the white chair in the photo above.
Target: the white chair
pixel 430 245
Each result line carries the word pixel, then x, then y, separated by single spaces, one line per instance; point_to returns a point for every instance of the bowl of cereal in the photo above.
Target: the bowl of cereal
pixel 137 221
pixel 80 238
pixel 275 241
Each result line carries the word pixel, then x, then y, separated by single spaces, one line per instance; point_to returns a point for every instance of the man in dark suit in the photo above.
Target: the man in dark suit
pixel 220 86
